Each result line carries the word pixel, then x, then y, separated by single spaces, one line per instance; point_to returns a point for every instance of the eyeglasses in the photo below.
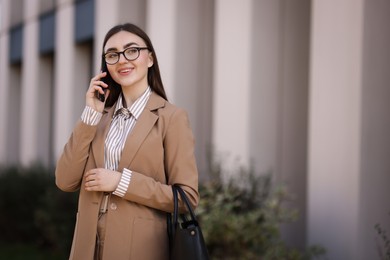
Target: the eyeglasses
pixel 130 54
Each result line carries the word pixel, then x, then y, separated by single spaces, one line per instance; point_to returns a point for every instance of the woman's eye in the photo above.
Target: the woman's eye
pixel 111 55
pixel 131 51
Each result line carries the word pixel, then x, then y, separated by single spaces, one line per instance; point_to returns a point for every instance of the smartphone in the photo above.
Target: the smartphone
pixel 100 96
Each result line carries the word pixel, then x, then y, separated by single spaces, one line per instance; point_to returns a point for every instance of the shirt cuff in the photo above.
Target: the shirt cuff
pixel 124 183
pixel 91 116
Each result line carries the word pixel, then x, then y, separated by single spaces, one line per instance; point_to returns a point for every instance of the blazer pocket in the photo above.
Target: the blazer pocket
pixel 150 239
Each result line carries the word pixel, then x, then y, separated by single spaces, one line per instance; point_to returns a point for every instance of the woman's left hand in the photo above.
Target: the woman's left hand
pixel 100 179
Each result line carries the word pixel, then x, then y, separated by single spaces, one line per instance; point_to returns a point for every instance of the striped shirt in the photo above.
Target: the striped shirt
pixel 120 128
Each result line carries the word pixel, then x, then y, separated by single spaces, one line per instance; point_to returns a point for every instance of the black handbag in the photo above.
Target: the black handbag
pixel 186 240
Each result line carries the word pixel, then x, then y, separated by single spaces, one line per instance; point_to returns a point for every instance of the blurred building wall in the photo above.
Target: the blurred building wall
pixel 296 88
pixel 348 172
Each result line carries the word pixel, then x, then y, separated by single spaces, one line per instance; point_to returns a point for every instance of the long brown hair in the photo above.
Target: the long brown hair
pixel 154 77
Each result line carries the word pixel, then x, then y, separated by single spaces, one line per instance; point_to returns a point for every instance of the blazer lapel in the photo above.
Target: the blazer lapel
pixel 141 130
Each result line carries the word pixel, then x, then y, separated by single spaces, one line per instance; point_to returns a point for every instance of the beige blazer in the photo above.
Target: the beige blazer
pixel 160 152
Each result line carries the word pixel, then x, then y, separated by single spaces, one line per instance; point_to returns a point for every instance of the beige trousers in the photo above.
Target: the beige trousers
pixel 101 232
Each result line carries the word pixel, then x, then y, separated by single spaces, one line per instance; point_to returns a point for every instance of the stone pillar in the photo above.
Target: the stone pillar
pixel 12 80
pixel 184 47
pixel 106 16
pixel 4 78
pixel 111 13
pixel 335 120
pixel 374 205
pixel 232 73
pixel 46 111
pixel 64 75
pixel 279 102
pixel 29 88
pixel 277 137
pixel 164 36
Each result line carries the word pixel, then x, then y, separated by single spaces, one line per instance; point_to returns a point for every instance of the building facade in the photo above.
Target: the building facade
pixel 298 88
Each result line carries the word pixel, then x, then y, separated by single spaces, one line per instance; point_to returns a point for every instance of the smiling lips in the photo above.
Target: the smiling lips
pixel 125 71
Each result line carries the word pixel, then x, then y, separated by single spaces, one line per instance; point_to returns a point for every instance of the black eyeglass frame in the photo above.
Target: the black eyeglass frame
pixel 139 49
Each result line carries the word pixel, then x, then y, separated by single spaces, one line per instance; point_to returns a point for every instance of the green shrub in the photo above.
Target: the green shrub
pixel 241 217
pixel 35 215
pixel 383 242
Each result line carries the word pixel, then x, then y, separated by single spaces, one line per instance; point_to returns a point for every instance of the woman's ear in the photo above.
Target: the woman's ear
pixel 150 61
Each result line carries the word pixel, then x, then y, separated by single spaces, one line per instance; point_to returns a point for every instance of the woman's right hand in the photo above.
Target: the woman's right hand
pixel 96 85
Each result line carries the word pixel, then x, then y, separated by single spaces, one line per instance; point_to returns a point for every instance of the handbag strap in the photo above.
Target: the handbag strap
pixel 171 227
pixel 175 206
pixel 186 202
pixel 173 218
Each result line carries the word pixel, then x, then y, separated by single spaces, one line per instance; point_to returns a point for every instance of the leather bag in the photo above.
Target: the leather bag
pixel 185 235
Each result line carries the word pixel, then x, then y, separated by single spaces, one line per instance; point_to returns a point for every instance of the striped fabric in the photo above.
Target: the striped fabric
pixel 90 116
pixel 120 128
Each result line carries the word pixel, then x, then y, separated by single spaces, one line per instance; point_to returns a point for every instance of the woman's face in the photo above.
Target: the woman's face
pixel 129 73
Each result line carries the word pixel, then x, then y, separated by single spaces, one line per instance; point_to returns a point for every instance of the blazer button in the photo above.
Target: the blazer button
pixel 113 206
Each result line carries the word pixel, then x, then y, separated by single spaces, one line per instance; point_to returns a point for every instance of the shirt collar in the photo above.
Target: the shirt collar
pixel 138 106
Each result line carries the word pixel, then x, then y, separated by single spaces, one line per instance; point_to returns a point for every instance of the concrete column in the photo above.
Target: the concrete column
pixel 29 88
pixel 164 37
pixel 278 100
pixel 184 46
pixel 106 16
pixel 13 117
pixel 375 146
pixel 111 13
pixel 4 78
pixel 193 60
pixel 46 111
pixel 64 75
pixel 266 87
pixel 82 75
pixel 11 88
pixel 334 158
pixel 232 72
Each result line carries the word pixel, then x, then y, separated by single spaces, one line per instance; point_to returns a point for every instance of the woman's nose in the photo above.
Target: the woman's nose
pixel 122 58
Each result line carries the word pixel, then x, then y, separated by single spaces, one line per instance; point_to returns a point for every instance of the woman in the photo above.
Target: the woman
pixel 125 161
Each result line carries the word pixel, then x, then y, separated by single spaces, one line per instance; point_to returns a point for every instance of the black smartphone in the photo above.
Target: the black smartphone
pixel 100 96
